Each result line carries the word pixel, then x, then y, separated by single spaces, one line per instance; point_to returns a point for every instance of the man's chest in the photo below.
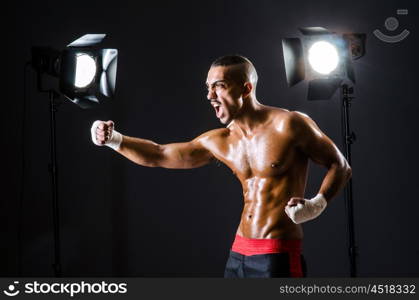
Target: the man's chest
pixel 263 154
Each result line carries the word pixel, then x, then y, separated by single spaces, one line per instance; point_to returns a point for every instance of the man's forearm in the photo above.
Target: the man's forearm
pixel 141 151
pixel 335 179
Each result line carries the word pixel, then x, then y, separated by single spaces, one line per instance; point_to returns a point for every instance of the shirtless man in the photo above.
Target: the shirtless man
pixel 268 149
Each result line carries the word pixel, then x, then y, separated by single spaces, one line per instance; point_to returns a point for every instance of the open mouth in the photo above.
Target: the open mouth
pixel 217 108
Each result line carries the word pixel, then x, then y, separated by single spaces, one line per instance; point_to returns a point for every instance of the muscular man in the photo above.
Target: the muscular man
pixel 268 149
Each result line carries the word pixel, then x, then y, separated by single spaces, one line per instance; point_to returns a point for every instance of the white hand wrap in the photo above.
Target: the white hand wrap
pixel 113 142
pixel 311 209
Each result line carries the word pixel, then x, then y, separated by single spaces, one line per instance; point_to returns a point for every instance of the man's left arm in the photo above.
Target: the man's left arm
pixel 319 148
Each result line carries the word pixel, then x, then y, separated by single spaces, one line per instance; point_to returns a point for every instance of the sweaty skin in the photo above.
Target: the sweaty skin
pixel 267 148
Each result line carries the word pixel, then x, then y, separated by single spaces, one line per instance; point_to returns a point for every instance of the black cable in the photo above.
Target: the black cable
pixel 23 172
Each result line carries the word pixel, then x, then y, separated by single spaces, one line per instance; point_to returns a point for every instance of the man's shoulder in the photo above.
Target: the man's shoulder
pixel 294 124
pixel 214 134
pixel 213 139
pixel 297 117
pixel 291 117
pixel 276 110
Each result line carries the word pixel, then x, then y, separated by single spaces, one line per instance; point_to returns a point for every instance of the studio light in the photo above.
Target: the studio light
pixel 87 74
pixel 323 58
pixel 85 70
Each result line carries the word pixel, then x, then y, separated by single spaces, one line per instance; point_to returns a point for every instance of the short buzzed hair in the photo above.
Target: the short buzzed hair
pixel 229 60
pixel 248 74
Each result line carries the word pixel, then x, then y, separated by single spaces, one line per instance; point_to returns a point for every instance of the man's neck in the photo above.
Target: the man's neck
pixel 249 117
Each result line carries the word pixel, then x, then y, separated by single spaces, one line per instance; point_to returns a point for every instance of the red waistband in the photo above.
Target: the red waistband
pixel 248 246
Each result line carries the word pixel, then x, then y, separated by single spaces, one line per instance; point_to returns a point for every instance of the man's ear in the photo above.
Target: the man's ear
pixel 248 88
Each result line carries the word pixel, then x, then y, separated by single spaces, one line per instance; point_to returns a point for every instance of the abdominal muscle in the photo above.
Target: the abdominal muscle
pixel 263 215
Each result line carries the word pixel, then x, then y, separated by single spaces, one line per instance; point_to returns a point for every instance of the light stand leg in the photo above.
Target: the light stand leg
pixel 349 138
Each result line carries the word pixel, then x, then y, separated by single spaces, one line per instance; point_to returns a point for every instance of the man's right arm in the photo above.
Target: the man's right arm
pixel 172 156
pixel 147 153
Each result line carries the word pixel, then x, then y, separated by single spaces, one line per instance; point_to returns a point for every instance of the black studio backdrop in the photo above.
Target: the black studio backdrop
pixel 120 219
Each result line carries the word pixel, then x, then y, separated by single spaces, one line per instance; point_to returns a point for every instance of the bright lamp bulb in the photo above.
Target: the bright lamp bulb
pixel 85 70
pixel 323 57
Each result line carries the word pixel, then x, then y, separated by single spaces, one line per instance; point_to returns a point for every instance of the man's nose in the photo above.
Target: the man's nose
pixel 211 94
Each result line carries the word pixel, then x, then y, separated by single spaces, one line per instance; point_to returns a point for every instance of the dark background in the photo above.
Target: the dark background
pixel 120 219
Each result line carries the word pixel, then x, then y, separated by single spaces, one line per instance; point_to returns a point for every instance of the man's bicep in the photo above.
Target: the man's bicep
pixel 186 155
pixel 316 144
pixel 324 152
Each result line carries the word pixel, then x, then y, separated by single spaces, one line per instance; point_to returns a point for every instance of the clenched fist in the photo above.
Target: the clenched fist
pixel 300 210
pixel 103 133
